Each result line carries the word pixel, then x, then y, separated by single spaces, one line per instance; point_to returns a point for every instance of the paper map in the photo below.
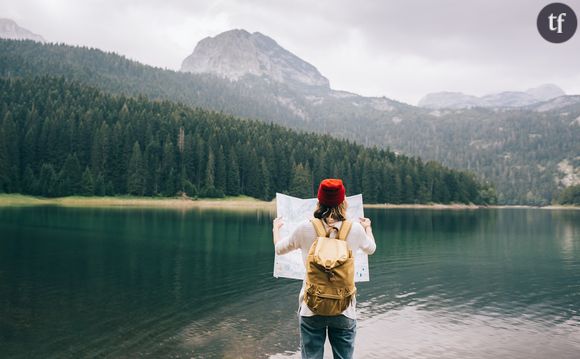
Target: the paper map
pixel 295 210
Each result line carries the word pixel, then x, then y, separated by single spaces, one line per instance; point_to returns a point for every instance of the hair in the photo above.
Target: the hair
pixel 337 212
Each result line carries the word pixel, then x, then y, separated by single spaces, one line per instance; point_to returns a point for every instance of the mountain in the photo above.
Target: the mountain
pixel 546 92
pixel 453 100
pixel 10 30
pixel 237 53
pixel 529 153
pixel 458 100
pixel 281 80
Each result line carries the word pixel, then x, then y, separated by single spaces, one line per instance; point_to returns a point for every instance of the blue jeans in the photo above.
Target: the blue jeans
pixel 341 333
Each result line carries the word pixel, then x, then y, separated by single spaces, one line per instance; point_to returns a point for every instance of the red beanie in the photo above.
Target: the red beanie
pixel 331 192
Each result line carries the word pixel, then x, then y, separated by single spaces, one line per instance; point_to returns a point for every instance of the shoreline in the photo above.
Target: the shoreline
pixel 239 203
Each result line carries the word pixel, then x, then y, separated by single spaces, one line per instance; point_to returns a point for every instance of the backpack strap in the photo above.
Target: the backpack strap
pixel 318 227
pixel 344 229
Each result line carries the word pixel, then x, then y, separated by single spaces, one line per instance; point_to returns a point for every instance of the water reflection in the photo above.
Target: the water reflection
pixel 164 283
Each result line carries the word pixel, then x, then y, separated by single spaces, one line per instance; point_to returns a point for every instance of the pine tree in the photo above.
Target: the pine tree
pixel 153 165
pixel 265 177
pixel 209 183
pixel 136 172
pixel 408 190
pixel 70 177
pixel 29 182
pixel 251 174
pixel 220 170
pixel 301 183
pixel 233 175
pixel 369 181
pixel 168 179
pixel 47 181
pixel 100 149
pixel 10 157
pixel 87 183
pixel 209 189
pixel 100 189
pixel 396 192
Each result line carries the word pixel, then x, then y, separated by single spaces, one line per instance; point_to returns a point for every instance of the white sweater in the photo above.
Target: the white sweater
pixel 303 237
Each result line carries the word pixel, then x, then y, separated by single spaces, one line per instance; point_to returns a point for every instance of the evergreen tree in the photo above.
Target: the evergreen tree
pixel 100 189
pixel 70 178
pixel 233 175
pixel 87 183
pixel 301 183
pixel 47 181
pixel 220 170
pixel 265 178
pixel 209 189
pixel 10 157
pixel 251 174
pixel 153 165
pixel 167 174
pixel 408 190
pixel 209 183
pixel 136 172
pixel 30 184
pixel 370 181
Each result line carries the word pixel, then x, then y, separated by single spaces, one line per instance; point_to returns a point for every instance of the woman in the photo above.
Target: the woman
pixel 331 209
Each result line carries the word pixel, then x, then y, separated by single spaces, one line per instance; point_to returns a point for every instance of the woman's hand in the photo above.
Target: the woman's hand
pixel 278 222
pixel 365 222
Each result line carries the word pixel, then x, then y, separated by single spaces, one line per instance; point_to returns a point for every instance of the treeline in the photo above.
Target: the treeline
pixel 518 150
pixel 116 74
pixel 570 195
pixel 60 138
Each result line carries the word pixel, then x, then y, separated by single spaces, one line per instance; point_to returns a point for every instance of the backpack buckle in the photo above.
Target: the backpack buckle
pixel 330 274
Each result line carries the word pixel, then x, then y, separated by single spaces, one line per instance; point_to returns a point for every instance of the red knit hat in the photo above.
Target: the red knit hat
pixel 331 192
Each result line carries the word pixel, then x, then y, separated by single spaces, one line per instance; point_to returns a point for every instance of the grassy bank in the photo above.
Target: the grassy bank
pixel 238 202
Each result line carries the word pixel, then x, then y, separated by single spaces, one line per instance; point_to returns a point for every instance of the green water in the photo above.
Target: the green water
pixel 127 283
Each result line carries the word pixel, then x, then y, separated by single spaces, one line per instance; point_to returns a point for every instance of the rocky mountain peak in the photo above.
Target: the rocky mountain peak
pixel 546 92
pixel 236 53
pixel 10 30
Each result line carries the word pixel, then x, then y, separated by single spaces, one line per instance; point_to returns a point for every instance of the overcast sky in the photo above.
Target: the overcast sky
pixel 398 49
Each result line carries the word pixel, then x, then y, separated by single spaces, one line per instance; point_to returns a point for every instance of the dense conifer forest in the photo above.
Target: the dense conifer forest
pixel 519 150
pixel 61 138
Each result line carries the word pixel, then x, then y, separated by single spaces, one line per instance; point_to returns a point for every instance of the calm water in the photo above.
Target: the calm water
pixel 122 283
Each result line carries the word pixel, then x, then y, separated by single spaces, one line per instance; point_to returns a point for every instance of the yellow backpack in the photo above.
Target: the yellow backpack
pixel 329 271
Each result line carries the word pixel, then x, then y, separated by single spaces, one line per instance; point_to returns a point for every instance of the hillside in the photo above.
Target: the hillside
pixel 59 138
pixel 529 152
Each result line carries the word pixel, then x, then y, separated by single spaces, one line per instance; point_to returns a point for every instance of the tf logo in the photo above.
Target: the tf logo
pixel 557 22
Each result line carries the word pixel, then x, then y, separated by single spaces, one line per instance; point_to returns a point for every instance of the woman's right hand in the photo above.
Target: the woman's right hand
pixel 278 222
pixel 365 222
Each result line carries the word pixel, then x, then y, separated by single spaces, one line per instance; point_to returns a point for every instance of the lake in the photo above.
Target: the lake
pixel 127 283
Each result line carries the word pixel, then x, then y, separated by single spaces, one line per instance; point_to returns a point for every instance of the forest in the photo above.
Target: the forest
pixel 518 150
pixel 60 138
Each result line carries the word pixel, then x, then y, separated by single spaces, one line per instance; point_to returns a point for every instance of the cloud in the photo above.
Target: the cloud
pixel 398 49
